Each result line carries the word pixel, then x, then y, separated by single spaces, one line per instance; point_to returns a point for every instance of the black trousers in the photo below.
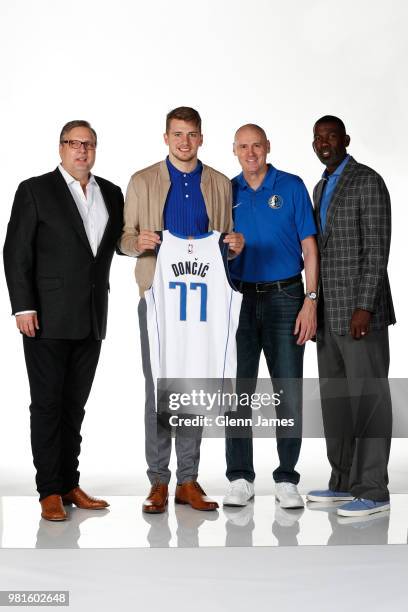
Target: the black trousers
pixel 60 374
pixel 357 411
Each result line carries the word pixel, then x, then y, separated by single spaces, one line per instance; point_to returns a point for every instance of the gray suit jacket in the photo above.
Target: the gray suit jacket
pixel 354 249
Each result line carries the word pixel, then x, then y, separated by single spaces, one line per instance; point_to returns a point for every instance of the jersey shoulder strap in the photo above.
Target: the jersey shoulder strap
pixel 157 249
pixel 224 248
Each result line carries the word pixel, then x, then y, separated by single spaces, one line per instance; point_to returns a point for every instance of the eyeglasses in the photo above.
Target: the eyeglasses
pixel 77 144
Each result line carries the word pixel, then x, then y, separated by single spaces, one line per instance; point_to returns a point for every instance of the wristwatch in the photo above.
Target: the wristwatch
pixel 312 295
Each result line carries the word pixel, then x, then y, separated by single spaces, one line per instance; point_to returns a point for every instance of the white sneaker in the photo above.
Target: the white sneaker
pixel 240 492
pixel 287 494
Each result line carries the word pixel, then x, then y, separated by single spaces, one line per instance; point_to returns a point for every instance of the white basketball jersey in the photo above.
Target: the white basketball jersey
pixel 192 310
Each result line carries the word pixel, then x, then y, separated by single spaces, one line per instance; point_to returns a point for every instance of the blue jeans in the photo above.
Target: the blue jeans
pixel 267 321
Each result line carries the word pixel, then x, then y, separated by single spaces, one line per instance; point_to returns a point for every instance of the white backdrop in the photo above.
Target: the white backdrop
pixel 123 66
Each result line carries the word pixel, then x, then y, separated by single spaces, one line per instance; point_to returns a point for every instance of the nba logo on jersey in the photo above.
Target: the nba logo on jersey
pixel 192 309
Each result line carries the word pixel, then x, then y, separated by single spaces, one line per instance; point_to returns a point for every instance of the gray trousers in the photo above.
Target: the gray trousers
pixel 357 412
pixel 157 431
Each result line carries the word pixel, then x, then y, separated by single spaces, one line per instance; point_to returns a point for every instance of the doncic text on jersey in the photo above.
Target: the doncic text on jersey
pixel 190 267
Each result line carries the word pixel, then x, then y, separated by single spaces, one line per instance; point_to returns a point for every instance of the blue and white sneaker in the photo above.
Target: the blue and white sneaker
pixel 329 496
pixel 363 507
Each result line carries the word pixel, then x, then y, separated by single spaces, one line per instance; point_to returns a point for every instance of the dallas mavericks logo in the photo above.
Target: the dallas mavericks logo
pixel 275 201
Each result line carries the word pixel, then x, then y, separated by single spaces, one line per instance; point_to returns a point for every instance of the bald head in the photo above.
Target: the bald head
pixel 251 127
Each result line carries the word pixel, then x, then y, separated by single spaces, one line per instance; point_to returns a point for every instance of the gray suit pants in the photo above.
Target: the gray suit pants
pixel 157 432
pixel 357 412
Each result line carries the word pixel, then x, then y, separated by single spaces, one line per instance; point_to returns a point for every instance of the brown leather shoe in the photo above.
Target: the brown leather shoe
pixel 82 500
pixel 156 501
pixel 191 493
pixel 52 508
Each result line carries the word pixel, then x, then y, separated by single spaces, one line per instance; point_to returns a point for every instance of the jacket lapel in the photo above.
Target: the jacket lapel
pixel 338 193
pixel 317 196
pixel 108 204
pixel 208 199
pixel 164 187
pixel 64 195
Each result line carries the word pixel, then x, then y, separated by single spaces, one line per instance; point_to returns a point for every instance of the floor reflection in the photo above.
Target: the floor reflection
pixel 189 522
pixel 159 534
pixel 286 526
pixel 239 525
pixel 66 534
pixel 261 523
pixel 187 531
pixel 372 529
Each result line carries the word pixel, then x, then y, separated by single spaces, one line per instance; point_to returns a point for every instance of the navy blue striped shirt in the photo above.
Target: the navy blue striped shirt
pixel 184 211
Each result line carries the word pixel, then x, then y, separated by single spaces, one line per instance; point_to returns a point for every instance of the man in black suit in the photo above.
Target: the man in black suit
pixel 61 237
pixel 353 215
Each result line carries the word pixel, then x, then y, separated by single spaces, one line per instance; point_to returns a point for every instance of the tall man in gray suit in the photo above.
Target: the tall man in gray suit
pixel 353 215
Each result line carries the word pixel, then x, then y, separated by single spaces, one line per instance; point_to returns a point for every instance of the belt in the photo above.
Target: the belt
pixel 265 287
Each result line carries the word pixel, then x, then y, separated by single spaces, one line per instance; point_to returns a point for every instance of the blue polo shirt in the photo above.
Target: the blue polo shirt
pixel 274 219
pixel 185 212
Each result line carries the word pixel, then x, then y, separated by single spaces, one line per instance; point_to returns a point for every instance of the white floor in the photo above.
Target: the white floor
pixel 259 556
pixel 261 523
pixel 321 579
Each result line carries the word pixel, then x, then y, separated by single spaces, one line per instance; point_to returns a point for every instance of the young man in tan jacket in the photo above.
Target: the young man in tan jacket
pixel 186 197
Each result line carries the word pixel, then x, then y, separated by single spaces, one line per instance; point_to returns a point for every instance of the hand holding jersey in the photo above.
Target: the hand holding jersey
pixel 148 240
pixel 188 198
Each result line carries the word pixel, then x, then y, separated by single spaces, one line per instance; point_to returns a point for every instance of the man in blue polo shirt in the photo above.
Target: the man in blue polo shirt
pixel 274 212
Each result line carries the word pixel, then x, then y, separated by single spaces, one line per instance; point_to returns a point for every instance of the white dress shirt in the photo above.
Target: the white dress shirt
pixel 91 208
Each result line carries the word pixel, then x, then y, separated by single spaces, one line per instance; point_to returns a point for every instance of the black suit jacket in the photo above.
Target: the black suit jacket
pixel 354 248
pixel 49 263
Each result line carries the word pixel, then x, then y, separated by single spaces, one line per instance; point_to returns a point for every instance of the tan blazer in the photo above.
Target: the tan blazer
pixel 145 199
